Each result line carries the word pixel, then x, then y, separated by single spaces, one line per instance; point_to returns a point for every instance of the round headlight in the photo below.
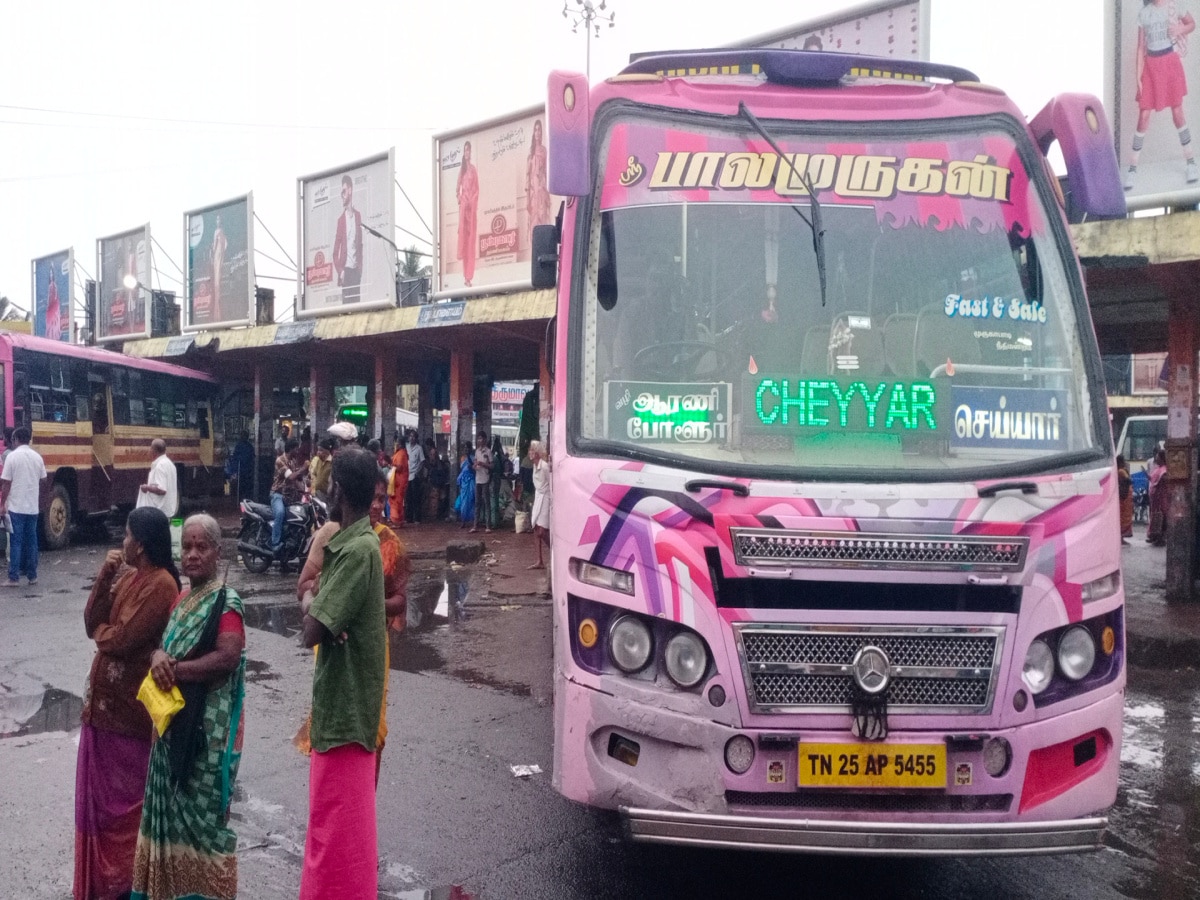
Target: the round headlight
pixel 1076 652
pixel 629 644
pixel 686 658
pixel 1039 667
pixel 739 754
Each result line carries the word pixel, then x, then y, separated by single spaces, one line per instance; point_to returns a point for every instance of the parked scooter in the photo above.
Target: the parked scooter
pixel 299 525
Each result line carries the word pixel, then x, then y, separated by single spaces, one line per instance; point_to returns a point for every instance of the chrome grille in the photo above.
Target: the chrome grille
pixel 793 668
pixel 832 549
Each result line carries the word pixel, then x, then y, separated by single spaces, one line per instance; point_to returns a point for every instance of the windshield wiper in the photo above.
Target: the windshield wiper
pixel 697 484
pixel 1025 487
pixel 813 219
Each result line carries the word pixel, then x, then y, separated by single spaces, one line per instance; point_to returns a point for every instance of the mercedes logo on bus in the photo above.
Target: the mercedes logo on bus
pixel 872 670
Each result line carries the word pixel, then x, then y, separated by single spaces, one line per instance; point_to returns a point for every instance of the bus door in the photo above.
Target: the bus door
pixel 100 403
pixel 204 424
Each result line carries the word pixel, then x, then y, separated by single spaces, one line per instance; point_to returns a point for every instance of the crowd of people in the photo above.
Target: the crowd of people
pixel 163 716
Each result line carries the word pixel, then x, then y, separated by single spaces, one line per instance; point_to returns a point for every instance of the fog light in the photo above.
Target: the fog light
pixel 716 695
pixel 739 754
pixel 1039 667
pixel 1076 652
pixel 623 750
pixel 588 633
pixel 997 756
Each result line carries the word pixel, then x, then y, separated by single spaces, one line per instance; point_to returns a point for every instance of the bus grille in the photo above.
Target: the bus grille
pixel 792 668
pixel 785 547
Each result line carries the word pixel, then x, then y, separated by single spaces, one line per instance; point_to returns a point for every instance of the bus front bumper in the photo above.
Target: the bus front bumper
pixel 863 838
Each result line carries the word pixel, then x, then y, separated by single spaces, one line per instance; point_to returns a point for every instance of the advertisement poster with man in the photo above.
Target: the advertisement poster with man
pixel 220 264
pixel 53 287
pixel 124 295
pixel 491 188
pixel 347 245
pixel 895 28
pixel 1148 73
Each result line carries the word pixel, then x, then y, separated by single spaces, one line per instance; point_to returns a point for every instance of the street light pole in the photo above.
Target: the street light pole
pixel 589 16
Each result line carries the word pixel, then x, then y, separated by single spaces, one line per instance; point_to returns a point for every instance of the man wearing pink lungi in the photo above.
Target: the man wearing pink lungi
pixel 346 618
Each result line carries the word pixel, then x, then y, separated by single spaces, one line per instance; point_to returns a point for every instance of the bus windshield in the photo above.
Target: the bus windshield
pixel 933 328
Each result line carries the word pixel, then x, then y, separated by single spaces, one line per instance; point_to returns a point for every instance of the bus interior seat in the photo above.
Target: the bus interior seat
pixel 867 346
pixel 940 338
pixel 899 344
pixel 814 353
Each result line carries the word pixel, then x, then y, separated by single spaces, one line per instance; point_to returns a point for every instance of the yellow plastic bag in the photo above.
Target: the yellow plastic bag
pixel 162 705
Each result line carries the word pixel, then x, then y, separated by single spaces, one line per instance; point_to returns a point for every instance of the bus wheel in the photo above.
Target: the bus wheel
pixel 56 524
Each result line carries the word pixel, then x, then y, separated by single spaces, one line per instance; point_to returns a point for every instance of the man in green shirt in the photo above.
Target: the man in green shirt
pixel 346 618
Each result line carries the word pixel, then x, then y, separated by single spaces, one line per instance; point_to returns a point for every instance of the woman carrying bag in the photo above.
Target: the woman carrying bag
pixel 185 847
pixel 125 615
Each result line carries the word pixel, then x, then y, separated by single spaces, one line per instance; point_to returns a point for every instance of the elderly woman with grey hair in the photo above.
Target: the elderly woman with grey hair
pixel 185 846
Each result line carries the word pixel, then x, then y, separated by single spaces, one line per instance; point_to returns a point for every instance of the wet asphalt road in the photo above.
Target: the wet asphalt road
pixel 469 698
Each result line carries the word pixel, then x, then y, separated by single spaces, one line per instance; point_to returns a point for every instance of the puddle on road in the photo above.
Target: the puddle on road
pixel 257 670
pixel 57 711
pixel 1156 818
pixel 434 600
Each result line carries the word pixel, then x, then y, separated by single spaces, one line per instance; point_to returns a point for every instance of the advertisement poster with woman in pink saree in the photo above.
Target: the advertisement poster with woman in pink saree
pixel 491 190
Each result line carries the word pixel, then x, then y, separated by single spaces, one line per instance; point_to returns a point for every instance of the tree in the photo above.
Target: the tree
pixel 412 266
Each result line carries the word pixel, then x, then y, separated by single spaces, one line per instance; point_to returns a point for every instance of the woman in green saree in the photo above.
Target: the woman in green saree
pixel 185 847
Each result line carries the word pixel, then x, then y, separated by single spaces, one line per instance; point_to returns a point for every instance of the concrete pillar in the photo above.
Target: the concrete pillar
pixel 1182 347
pixel 320 400
pixel 483 405
pixel 425 423
pixel 462 399
pixel 258 425
pixel 383 417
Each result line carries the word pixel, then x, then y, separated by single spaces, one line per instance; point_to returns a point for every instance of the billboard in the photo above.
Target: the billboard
pixel 218 245
pixel 123 313
pixel 53 288
pixel 1147 69
pixel 347 256
pixel 490 189
pixel 897 28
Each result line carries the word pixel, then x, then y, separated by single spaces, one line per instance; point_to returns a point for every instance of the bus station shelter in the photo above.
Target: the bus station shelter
pixel 1143 282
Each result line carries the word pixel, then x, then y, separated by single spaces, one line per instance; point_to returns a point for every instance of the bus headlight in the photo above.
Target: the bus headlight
pixel 686 658
pixel 1076 652
pixel 629 644
pixel 1039 667
pixel 739 754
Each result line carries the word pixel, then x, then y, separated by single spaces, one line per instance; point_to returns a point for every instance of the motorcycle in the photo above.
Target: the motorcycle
pixel 299 525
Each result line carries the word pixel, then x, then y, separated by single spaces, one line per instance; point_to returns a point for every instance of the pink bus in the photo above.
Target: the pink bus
pixel 836 561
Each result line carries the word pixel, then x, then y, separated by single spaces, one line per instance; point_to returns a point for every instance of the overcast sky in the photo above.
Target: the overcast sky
pixel 114 114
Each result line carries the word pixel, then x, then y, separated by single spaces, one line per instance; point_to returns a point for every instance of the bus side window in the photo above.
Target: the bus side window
pixel 82 385
pixel 202 419
pixel 120 392
pixel 20 395
pixel 96 381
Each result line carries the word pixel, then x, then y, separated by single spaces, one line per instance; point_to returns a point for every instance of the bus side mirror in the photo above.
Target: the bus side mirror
pixel 545 256
pixel 1078 123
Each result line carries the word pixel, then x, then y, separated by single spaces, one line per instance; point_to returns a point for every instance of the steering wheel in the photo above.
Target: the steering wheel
pixel 679 360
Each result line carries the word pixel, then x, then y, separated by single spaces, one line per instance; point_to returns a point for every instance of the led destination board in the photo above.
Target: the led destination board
pixel 789 403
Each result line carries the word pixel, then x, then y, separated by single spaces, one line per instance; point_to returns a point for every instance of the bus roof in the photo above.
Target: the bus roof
pixel 94 354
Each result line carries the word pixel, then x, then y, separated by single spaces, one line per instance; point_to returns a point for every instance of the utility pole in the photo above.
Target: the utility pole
pixel 589 16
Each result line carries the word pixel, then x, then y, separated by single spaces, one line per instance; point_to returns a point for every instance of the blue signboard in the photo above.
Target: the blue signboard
pixel 444 313
pixel 1009 418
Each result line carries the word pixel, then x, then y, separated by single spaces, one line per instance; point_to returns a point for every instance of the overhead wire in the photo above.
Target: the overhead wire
pixel 413 205
pixel 277 262
pixel 300 126
pixel 275 239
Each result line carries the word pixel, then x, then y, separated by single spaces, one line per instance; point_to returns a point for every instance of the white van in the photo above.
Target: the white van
pixel 1140 437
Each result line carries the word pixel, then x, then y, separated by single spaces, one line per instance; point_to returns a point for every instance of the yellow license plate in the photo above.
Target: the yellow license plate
pixel 872 765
